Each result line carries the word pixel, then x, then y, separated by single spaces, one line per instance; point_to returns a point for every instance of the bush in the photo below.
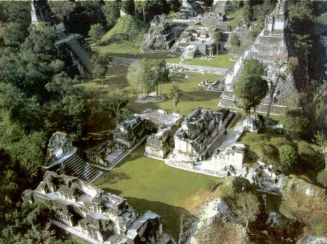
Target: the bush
pixel 266 152
pixel 288 156
pixel 322 177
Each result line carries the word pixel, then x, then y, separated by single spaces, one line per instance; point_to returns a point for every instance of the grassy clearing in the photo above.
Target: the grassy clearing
pixel 219 61
pixel 149 184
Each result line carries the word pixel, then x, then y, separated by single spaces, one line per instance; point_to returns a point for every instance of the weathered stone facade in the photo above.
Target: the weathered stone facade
pixel 230 159
pixel 161 35
pixel 94 214
pixel 63 157
pixel 132 130
pixel 199 134
pixel 195 40
pixel 158 145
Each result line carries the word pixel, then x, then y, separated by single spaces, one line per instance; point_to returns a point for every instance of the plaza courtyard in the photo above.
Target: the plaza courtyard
pixel 149 184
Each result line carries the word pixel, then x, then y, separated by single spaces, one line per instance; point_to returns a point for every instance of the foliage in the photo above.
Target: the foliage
pixel 288 156
pixel 117 101
pixel 251 88
pixel 235 41
pixel 295 122
pixel 63 10
pixel 96 32
pixel 246 207
pixel 111 12
pixel 322 177
pixel 128 6
pixel 320 138
pixel 175 93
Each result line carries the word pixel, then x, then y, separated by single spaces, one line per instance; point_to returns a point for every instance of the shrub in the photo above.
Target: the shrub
pixel 266 152
pixel 322 177
pixel 288 156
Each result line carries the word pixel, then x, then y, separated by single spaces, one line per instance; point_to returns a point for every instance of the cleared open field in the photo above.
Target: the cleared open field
pixel 149 184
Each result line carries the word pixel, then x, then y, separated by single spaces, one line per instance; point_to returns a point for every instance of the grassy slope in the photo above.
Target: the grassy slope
pixel 149 184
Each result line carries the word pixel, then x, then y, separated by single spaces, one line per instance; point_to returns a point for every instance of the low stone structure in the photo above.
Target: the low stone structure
pixel 230 159
pixel 195 40
pixel 200 133
pixel 161 35
pixel 131 130
pixel 97 216
pixel 158 145
pixel 189 12
pixel 62 157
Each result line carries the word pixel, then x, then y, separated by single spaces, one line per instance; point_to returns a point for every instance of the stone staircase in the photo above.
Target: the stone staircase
pixel 81 54
pixel 77 166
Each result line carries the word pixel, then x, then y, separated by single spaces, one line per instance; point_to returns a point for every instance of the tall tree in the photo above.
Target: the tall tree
pixel 117 101
pixel 175 93
pixel 96 33
pixel 111 11
pixel 100 66
pixel 218 36
pixel 251 88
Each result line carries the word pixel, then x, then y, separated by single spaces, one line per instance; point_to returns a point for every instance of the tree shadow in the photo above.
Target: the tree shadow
pixel 170 214
pixel 264 230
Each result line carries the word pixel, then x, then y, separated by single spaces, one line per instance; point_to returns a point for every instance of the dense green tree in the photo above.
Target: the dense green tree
pixel 100 66
pixel 111 11
pixel 96 33
pixel 251 88
pixel 295 122
pixel 63 9
pixel 246 208
pixel 117 101
pixel 175 93
pixel 12 34
pixel 322 177
pixel 235 41
pixel 288 156
pixel 218 36
pixel 128 6
pixel 135 77
pixel 157 74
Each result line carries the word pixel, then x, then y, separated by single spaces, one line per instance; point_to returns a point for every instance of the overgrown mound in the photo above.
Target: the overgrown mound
pixel 307 203
pixel 127 29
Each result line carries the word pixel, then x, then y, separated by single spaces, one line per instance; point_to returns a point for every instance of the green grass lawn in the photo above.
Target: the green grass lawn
pixel 219 61
pixel 192 95
pixel 149 184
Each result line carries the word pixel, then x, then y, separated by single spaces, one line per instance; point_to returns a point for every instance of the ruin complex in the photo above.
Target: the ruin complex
pixel 269 48
pixel 93 214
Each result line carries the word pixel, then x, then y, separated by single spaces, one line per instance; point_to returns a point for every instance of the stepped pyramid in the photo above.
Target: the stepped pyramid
pixel 71 47
pixel 269 45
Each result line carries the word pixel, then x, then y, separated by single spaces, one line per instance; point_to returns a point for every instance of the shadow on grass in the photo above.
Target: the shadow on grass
pixel 170 214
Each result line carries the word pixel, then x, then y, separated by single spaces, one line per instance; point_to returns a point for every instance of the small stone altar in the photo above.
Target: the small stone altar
pixel 94 214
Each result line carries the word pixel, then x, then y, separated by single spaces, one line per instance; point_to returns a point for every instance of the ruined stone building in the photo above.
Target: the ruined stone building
pixel 70 47
pixel 200 134
pixel 229 159
pixel 161 35
pixel 159 144
pixel 270 47
pixel 132 130
pixel 62 157
pixel 195 40
pixel 189 11
pixel 93 214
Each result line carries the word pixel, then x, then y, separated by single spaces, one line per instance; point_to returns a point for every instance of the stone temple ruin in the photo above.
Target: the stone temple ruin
pixel 95 215
pixel 71 47
pixel 269 46
pixel 132 130
pixel 63 158
pixel 195 40
pixel 189 12
pixel 200 134
pixel 159 144
pixel 161 35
